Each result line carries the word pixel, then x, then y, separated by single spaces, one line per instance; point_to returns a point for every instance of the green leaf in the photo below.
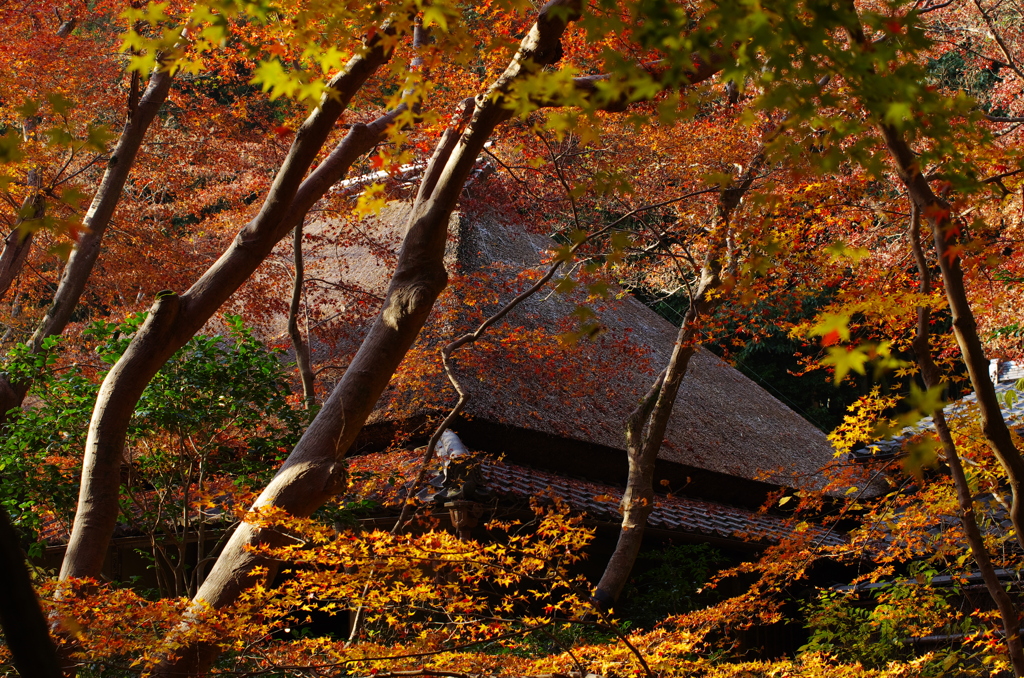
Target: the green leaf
pixel 919 456
pixel 58 136
pixel 62 250
pixel 271 76
pixel 28 109
pixel 60 103
pixel 72 197
pixel 621 240
pixel 97 137
pixel 1010 397
pixel 898 113
pixel 840 250
pixel 566 285
pixel 929 401
pixel 10 147
pixel 717 179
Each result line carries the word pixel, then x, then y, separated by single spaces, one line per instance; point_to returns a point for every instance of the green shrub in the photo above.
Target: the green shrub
pixel 219 407
pixel 882 629
pixel 669 581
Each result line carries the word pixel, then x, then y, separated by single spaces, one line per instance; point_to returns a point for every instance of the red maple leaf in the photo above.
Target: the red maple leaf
pixel 75 231
pixel 936 212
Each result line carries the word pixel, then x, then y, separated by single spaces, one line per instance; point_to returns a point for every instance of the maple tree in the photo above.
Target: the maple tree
pixel 846 112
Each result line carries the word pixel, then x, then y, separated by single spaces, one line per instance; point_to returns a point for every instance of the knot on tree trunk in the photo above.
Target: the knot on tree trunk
pixel 336 480
pixel 404 301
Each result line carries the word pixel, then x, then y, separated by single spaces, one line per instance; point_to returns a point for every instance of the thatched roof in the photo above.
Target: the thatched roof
pixel 522 379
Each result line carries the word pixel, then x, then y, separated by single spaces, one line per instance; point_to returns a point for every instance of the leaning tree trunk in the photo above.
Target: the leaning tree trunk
pixel 314 472
pixel 938 214
pixel 122 158
pixel 101 210
pixel 18 242
pixel 284 207
pixel 933 380
pixel 303 361
pixel 173 320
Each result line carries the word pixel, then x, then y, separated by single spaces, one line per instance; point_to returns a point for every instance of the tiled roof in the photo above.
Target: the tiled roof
pixel 1007 370
pixel 958 414
pixel 387 476
pixel 506 481
pixel 675 513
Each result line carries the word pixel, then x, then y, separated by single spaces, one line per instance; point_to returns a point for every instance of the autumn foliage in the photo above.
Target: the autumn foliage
pixel 837 183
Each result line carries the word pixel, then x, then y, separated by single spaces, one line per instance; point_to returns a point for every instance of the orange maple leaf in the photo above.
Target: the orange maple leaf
pixel 952 252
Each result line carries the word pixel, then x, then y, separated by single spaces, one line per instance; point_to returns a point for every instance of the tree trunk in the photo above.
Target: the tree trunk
pixel 17 245
pixel 25 629
pixel 314 472
pixel 938 214
pixel 645 431
pixel 965 328
pixel 174 320
pixel 933 379
pixel 284 207
pixel 18 242
pixel 645 428
pixel 300 346
pixel 101 210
